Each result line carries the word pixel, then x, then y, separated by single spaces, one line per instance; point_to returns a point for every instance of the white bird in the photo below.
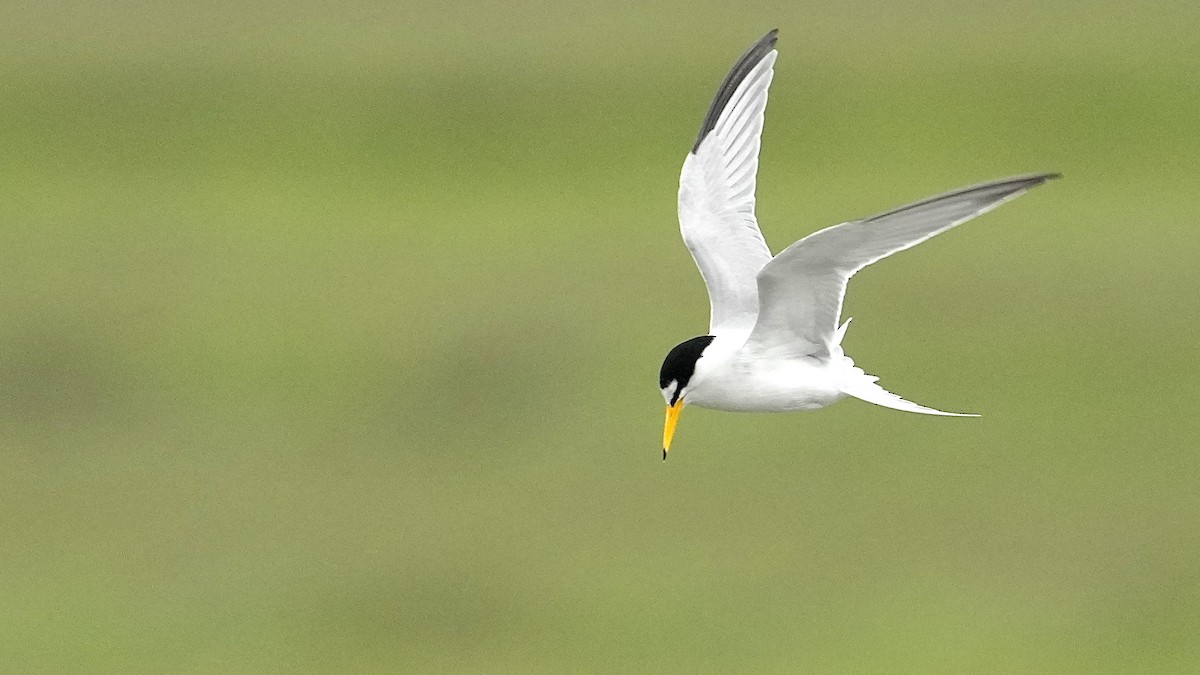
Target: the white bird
pixel 774 340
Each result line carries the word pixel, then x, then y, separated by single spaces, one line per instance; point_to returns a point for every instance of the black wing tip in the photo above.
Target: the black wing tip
pixel 1037 178
pixel 1023 180
pixel 1029 181
pixel 1015 183
pixel 1010 186
pixel 740 70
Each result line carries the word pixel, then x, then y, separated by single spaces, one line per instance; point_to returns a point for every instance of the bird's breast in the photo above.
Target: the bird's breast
pixel 766 386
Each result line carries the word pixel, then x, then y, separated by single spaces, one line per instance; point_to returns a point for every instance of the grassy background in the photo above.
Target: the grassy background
pixel 329 341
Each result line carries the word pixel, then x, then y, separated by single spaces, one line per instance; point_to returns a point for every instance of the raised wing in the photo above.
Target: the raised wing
pixel 716 192
pixel 801 289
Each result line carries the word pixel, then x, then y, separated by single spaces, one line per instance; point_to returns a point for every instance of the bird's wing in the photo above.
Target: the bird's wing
pixel 801 289
pixel 716 192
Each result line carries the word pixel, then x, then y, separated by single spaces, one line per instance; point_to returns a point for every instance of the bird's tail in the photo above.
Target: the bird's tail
pixel 863 387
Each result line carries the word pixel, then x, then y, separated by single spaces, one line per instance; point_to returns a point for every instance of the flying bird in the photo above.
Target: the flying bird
pixel 774 338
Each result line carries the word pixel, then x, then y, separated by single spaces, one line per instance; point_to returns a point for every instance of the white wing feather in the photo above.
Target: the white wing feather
pixel 801 289
pixel 716 193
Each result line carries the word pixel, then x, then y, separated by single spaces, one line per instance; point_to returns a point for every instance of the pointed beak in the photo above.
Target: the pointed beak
pixel 669 427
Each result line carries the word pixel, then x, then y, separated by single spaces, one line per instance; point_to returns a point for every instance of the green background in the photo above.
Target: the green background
pixel 329 340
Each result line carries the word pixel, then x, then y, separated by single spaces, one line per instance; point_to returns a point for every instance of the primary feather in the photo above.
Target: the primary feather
pixel 801 290
pixel 774 342
pixel 716 192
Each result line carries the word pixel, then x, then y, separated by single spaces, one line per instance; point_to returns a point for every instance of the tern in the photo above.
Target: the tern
pixel 774 339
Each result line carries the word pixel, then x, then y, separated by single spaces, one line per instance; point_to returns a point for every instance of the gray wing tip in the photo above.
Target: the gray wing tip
pixel 1015 183
pixel 1004 186
pixel 740 70
pixel 1032 179
pixel 1020 182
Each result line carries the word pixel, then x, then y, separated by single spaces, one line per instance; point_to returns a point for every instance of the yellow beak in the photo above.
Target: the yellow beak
pixel 669 427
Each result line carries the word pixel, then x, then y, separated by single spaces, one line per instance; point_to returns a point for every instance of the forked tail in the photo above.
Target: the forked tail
pixel 863 387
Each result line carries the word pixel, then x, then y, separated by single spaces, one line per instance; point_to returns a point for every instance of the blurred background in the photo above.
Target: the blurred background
pixel 329 339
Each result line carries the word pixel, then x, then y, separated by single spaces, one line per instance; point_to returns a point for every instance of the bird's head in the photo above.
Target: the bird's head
pixel 674 380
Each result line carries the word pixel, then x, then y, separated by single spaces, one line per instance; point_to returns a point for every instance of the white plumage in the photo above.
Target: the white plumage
pixel 776 339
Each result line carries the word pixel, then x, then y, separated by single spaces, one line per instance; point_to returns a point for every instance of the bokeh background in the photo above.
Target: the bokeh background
pixel 329 337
